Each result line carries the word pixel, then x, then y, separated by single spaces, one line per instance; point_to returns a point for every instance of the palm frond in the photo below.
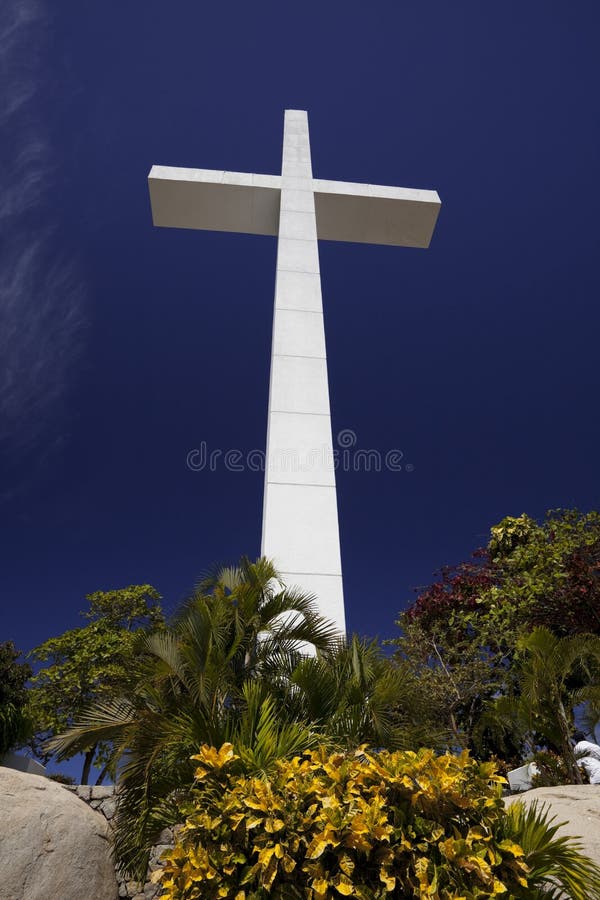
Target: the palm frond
pixel 558 866
pixel 104 722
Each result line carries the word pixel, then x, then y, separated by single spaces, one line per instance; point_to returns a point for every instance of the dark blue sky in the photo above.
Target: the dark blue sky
pixel 124 346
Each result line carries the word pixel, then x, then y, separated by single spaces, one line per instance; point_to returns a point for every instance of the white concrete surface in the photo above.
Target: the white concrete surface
pixel 373 214
pixel 300 519
pixel 216 200
pixel 22 764
pixel 521 779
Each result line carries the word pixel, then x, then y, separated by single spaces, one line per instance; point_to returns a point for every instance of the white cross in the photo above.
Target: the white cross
pixel 300 519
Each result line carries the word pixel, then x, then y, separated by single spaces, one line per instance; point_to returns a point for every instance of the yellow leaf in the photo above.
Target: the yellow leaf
pixel 317 847
pixel 346 864
pixel 211 758
pixel 320 885
pixel 288 864
pixel 388 879
pixel 510 847
pixel 264 856
pixel 269 875
pixel 343 885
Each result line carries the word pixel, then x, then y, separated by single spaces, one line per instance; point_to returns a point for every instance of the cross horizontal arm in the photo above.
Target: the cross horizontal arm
pixel 374 214
pixel 345 211
pixel 215 201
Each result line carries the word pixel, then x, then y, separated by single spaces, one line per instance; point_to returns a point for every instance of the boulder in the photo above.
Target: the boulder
pixel 576 804
pixel 52 845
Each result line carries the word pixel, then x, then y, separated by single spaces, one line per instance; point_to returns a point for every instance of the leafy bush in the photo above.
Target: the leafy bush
pixel 61 779
pixel 367 826
pixel 551 770
pixel 15 727
pixel 398 824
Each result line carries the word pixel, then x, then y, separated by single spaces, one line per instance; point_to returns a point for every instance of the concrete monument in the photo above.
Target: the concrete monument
pixel 300 519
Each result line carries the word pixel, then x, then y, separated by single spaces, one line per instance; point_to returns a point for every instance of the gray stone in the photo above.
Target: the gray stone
pixel 84 791
pixel 576 804
pixel 122 889
pixel 166 836
pixel 134 887
pixel 52 846
pixel 101 792
pixel 159 849
pixel 109 807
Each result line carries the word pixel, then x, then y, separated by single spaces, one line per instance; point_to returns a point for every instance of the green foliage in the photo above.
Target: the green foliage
pixel 551 770
pixel 368 826
pixel 13 676
pixel 456 677
pixel 548 573
pixel 89 664
pixel 208 678
pixel 15 725
pixel 553 676
pixel 357 695
pixel 60 778
pixel 130 608
pixel 461 636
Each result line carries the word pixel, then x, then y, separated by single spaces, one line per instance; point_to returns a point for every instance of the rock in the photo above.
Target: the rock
pixel 166 836
pixel 109 807
pixel 102 791
pixel 53 845
pixel 576 804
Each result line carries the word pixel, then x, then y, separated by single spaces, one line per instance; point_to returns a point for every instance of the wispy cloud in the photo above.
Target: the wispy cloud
pixel 41 292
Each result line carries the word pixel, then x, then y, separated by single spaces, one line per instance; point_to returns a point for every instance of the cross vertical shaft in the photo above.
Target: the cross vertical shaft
pixel 300 518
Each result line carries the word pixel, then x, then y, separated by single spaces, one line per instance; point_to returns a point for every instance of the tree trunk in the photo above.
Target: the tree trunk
pixel 87 764
pixel 102 775
pixel 568 753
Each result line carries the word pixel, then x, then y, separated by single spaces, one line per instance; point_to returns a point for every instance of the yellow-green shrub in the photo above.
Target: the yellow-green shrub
pixel 322 826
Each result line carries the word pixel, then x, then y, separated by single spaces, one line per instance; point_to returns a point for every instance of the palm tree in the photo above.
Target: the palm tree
pixel 359 696
pixel 554 676
pixel 203 680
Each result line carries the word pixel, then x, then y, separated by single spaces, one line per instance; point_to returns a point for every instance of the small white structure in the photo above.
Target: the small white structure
pixel 22 764
pixel 300 517
pixel 521 779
